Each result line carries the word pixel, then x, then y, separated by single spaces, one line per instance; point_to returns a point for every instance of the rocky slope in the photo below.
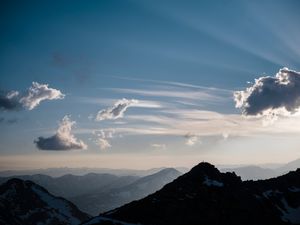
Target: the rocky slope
pixel 26 203
pixel 206 196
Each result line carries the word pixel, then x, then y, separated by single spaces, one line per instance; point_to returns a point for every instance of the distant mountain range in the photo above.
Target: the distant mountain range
pixel 69 185
pixel 246 172
pixel 58 172
pixel 258 172
pixel 95 193
pixel 95 201
pixel 206 196
pixel 26 203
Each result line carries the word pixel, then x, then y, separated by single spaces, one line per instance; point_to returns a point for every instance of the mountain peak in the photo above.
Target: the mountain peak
pixel 204 168
pixel 24 202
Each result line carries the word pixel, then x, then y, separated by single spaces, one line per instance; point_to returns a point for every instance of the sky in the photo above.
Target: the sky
pixel 142 84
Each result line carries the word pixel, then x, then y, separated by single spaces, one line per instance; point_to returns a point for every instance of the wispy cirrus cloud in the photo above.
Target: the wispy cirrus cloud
pixel 62 140
pixel 181 122
pixel 14 100
pixel 171 93
pixel 159 146
pixel 108 101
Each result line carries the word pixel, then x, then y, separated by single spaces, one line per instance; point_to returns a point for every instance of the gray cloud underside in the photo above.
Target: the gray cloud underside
pixel 62 140
pixel 116 111
pixel 30 99
pixel 9 104
pixel 269 94
pixel 56 143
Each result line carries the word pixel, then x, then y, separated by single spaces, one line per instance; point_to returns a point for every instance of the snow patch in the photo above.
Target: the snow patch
pixel 214 183
pixel 290 214
pixel 58 204
pixel 270 193
pixel 294 189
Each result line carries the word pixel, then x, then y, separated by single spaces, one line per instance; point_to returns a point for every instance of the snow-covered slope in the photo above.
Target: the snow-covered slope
pixel 26 203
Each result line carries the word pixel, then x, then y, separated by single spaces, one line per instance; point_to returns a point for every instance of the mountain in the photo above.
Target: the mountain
pixel 26 203
pixel 69 185
pixel 58 172
pixel 204 195
pixel 293 165
pixel 263 171
pixel 100 201
pixel 252 172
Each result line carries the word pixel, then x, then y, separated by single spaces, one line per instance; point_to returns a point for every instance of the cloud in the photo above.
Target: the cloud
pixel 117 111
pixel 13 100
pixel 271 96
pixel 10 101
pixel 62 140
pixel 169 92
pixel 191 139
pixel 159 146
pixel 103 143
pixel 103 137
pixel 39 92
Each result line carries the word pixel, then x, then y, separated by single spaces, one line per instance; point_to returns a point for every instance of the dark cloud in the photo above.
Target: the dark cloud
pixel 9 101
pixel 63 139
pixel 116 111
pixel 271 95
pixel 35 94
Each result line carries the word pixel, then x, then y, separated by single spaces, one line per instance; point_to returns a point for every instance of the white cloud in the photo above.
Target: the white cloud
pixel 271 96
pixel 103 143
pixel 39 92
pixel 12 94
pixel 103 137
pixel 62 140
pixel 117 110
pixel 13 100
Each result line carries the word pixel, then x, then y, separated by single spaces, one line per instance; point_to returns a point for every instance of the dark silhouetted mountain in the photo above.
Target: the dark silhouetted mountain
pixel 70 185
pixel 206 196
pixel 100 201
pixel 26 203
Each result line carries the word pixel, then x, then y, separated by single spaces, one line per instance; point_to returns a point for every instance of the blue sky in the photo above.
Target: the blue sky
pixel 181 61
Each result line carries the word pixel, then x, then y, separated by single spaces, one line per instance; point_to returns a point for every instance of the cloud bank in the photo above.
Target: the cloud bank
pixel 271 96
pixel 117 110
pixel 62 140
pixel 35 94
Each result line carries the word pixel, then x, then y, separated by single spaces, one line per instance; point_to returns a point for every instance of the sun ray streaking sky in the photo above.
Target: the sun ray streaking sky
pixel 167 83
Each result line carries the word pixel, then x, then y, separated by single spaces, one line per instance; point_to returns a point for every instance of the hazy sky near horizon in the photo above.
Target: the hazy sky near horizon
pixel 142 84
